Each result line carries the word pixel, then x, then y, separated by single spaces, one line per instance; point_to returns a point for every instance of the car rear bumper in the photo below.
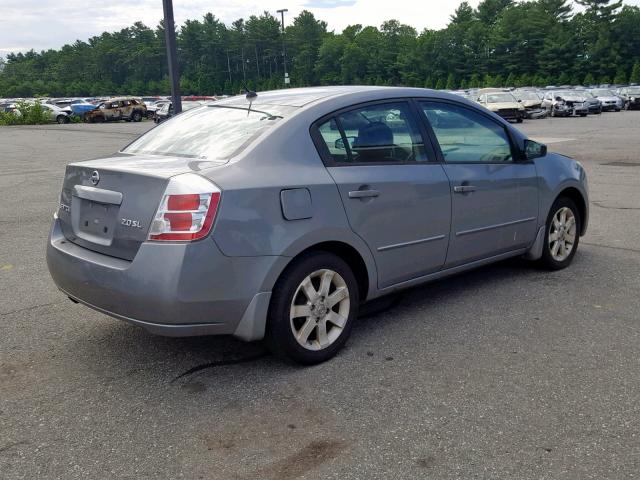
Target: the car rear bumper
pixel 174 289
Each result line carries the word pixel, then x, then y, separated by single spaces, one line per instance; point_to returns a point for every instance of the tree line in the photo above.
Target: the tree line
pixel 499 43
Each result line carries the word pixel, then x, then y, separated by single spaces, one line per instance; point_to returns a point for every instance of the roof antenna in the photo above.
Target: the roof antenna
pixel 250 95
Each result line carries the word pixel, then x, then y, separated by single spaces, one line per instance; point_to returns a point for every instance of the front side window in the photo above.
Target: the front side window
pixel 466 136
pixel 382 133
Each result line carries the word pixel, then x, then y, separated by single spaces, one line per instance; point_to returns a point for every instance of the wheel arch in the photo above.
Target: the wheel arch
pixel 349 254
pixel 576 196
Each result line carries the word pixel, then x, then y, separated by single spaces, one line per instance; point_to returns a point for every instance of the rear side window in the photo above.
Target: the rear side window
pixel 466 136
pixel 382 133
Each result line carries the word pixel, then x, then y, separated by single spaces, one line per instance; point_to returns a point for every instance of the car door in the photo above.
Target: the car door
pixel 396 196
pixel 494 193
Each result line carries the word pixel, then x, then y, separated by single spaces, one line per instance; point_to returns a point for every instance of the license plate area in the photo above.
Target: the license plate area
pixel 93 221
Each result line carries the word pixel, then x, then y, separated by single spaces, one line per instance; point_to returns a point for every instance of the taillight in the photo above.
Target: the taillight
pixel 187 210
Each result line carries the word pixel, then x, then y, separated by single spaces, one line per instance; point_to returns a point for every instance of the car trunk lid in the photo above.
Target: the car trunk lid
pixel 107 205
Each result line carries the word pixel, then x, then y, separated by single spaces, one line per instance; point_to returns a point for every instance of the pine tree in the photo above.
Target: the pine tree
pixel 510 81
pixel 621 76
pixel 589 80
pixel 428 83
pixel 635 73
pixel 451 82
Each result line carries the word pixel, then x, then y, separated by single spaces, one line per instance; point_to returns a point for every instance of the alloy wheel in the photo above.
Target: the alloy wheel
pixel 320 309
pixel 562 234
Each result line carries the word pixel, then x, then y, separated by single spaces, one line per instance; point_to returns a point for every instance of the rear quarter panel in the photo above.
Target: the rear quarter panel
pixel 250 219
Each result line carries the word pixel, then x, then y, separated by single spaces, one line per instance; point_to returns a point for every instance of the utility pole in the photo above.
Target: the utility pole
pixel 172 55
pixel 284 54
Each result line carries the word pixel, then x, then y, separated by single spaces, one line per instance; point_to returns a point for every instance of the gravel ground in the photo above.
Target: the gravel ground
pixel 506 372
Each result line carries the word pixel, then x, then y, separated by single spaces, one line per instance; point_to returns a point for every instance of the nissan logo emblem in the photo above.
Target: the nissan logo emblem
pixel 95 177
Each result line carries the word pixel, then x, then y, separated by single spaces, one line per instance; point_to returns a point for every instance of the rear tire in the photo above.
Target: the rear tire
pixel 562 234
pixel 312 310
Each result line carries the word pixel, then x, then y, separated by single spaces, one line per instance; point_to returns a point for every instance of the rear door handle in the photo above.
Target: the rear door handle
pixel 464 188
pixel 363 193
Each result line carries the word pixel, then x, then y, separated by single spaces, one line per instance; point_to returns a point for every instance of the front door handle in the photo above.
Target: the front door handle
pixel 363 193
pixel 464 188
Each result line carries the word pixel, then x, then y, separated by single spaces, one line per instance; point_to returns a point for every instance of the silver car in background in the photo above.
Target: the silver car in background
pixel 609 100
pixel 275 217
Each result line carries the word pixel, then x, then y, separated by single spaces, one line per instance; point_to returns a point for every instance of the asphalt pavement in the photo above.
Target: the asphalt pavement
pixel 506 372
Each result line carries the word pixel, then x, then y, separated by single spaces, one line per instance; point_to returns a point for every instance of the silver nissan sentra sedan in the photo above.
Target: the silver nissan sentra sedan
pixel 276 216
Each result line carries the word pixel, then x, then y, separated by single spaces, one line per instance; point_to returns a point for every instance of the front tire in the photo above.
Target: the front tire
pixel 136 117
pixel 562 234
pixel 312 310
pixel 62 119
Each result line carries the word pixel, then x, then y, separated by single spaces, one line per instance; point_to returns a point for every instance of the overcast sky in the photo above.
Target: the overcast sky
pixel 43 24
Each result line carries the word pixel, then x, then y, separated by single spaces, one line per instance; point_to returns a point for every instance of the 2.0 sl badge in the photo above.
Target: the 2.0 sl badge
pixel 127 222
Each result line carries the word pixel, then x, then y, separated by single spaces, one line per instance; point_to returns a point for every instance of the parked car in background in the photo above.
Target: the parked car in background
pixel 198 98
pixel 58 115
pixel 165 112
pixel 81 106
pixel 630 96
pixel 502 103
pixel 123 108
pixel 594 106
pixel 610 101
pixel 532 103
pixel 276 218
pixel 565 103
pixel 148 100
pixel 153 107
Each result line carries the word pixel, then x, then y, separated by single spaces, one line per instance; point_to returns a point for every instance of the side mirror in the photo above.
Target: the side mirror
pixel 533 150
pixel 519 101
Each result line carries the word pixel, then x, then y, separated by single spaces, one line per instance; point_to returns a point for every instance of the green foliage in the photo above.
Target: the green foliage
pixel 451 82
pixel 27 114
pixel 635 73
pixel 500 42
pixel 588 80
pixel 621 76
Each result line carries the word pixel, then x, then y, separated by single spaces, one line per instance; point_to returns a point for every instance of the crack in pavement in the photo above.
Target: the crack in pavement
pixel 9 446
pixel 2 314
pixel 635 250
pixel 221 363
pixel 615 208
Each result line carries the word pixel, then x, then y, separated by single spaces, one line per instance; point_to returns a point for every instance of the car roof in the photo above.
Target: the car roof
pixel 313 96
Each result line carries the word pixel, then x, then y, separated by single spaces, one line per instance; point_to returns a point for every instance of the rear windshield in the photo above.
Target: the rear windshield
pixel 209 132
